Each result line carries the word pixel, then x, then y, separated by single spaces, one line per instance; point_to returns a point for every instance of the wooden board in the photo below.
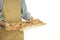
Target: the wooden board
pixel 11 11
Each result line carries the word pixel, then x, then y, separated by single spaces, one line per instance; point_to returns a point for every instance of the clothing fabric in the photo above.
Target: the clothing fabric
pixel 24 12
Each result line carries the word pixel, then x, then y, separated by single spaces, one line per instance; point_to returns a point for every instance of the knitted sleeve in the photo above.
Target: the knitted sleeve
pixel 25 14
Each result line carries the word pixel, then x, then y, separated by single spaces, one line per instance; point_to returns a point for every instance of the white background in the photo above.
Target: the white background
pixel 49 12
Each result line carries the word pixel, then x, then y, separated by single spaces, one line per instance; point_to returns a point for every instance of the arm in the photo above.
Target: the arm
pixel 1 2
pixel 25 14
pixel 2 22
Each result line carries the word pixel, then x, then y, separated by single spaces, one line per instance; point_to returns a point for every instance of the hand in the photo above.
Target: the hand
pixel 3 23
pixel 9 27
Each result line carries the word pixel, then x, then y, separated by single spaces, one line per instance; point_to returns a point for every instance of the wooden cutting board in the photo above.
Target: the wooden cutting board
pixel 11 11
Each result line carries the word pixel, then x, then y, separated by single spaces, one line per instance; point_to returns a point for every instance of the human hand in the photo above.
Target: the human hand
pixel 10 27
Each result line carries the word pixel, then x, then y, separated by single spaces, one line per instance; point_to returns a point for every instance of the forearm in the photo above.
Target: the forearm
pixel 1 20
pixel 23 6
pixel 25 14
pixel 1 2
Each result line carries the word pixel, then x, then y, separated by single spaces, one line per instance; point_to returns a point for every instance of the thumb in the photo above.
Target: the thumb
pixel 7 24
